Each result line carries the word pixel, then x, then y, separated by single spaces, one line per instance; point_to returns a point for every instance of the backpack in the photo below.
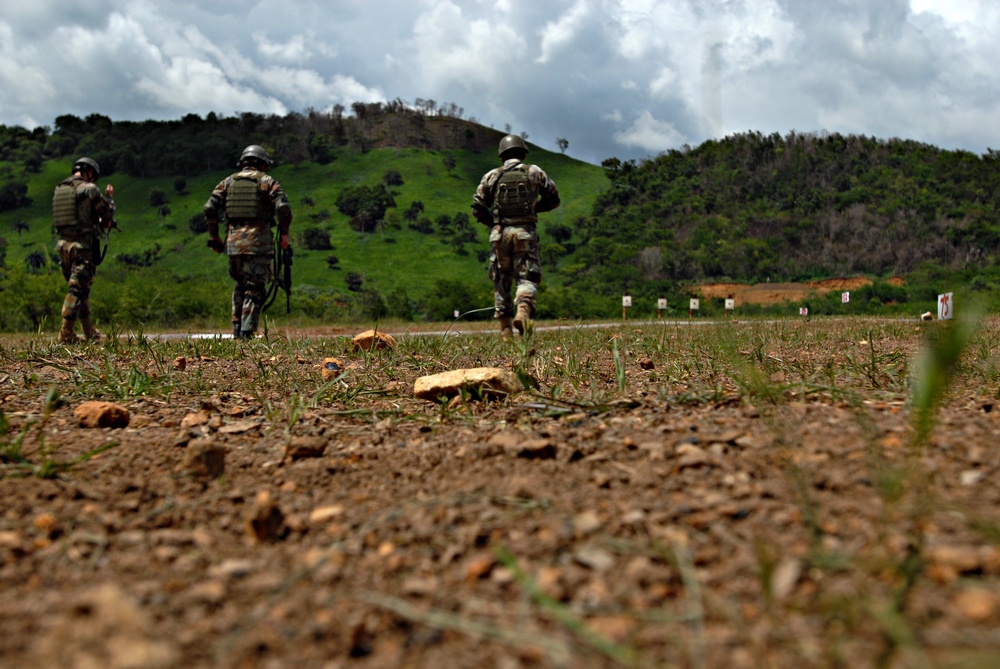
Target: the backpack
pixel 64 204
pixel 244 199
pixel 515 194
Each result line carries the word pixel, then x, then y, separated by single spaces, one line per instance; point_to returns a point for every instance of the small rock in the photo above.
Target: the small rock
pixel 970 477
pixel 331 368
pixel 479 567
pixel 369 338
pixel 586 522
pixel 594 557
pixel 204 458
pixel 535 449
pixel 785 576
pixel 232 568
pixel 208 592
pixel 646 363
pixel 977 604
pixel 195 419
pixel 324 513
pixel 265 521
pixel 508 440
pixel 239 427
pixel 102 414
pixel 305 447
pixel 420 586
pixel 692 456
pixel 655 449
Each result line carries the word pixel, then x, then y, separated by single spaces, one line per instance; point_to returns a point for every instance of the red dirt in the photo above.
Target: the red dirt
pixel 776 293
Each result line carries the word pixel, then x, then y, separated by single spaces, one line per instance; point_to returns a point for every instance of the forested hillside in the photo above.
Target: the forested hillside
pixel 381 201
pixel 382 228
pixel 756 207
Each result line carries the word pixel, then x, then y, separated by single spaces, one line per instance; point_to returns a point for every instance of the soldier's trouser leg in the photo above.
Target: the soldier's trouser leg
pixel 528 270
pixel 237 310
pixel 78 270
pixel 501 274
pixel 252 274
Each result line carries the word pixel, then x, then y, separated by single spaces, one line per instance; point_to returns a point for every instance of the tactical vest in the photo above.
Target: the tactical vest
pixel 515 195
pixel 64 205
pixel 245 199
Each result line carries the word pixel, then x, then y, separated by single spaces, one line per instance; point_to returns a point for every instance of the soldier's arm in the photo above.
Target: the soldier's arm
pixel 548 195
pixel 481 205
pixel 211 210
pixel 102 208
pixel 282 212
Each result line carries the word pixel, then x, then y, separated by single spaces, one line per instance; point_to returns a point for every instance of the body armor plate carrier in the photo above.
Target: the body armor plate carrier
pixel 515 195
pixel 245 199
pixel 64 209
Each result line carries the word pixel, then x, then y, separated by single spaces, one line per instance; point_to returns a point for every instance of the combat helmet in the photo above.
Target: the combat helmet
pixel 254 153
pixel 88 163
pixel 511 142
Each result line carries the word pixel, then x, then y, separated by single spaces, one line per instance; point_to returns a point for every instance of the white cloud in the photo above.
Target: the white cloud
pixel 449 48
pixel 558 35
pixel 614 77
pixel 650 134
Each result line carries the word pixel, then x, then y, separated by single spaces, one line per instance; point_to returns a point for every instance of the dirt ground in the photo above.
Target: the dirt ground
pixel 776 293
pixel 229 526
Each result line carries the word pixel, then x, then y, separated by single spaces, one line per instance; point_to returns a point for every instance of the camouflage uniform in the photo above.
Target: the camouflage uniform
pixel 78 249
pixel 249 243
pixel 514 241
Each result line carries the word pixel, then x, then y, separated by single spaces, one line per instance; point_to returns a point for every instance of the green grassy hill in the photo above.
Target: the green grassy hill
pixel 404 273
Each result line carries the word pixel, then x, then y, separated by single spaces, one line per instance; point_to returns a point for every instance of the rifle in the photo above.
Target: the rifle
pixel 107 225
pixel 282 277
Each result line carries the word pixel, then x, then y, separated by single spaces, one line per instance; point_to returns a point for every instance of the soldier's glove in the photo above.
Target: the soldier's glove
pixel 216 245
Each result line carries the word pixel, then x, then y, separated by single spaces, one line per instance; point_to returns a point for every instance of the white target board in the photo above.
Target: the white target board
pixel 946 306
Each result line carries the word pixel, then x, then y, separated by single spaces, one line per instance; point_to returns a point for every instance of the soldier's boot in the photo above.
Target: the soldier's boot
pixel 506 332
pixel 236 331
pixel 66 334
pixel 90 333
pixel 522 317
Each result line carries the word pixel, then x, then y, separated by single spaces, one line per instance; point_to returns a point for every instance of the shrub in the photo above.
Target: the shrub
pixel 316 239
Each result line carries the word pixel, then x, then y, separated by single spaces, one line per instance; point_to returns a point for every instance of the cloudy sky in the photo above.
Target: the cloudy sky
pixel 622 78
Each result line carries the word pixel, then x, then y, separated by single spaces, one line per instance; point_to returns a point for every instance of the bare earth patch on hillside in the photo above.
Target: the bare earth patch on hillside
pixel 660 510
pixel 776 293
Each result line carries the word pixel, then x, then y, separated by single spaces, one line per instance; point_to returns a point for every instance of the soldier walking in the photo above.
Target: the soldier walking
pixel 81 214
pixel 508 200
pixel 250 201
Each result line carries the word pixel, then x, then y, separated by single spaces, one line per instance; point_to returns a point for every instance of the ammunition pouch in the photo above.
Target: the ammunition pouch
pixel 515 195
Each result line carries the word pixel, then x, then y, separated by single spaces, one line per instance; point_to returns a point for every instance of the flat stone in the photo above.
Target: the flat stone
pixel 486 381
pixel 102 414
pixel 305 447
